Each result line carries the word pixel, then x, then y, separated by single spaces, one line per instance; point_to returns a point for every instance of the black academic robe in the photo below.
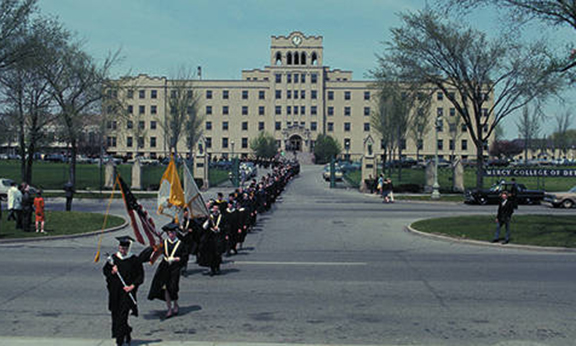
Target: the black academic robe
pixel 167 276
pixel 119 302
pixel 211 244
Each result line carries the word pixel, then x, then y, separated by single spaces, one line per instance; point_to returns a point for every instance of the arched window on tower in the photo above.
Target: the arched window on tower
pixel 278 58
pixel 296 58
pixel 314 59
pixel 289 58
pixel 303 58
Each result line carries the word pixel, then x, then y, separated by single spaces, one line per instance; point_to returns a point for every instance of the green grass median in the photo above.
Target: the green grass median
pixel 60 223
pixel 538 230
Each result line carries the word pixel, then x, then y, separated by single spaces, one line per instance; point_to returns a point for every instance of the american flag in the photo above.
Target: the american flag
pixel 134 208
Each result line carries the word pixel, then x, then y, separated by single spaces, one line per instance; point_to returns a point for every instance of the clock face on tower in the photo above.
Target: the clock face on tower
pixel 296 40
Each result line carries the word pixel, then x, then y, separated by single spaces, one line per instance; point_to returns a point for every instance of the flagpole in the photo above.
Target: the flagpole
pixel 97 257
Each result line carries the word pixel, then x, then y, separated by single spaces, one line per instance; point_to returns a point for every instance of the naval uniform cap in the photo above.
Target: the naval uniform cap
pixel 125 240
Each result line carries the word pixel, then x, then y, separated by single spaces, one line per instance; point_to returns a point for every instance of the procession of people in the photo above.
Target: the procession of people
pixel 205 238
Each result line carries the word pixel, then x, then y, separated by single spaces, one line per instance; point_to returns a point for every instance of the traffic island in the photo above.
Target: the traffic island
pixel 60 224
pixel 548 231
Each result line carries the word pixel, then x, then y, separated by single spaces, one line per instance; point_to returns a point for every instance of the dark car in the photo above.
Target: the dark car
pixel 492 195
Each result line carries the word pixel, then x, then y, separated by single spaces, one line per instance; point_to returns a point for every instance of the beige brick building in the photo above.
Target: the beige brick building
pixel 295 98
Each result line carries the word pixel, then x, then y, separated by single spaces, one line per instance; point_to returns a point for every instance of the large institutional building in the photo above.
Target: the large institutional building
pixel 295 99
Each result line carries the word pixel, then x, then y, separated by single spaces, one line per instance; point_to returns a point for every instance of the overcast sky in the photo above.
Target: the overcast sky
pixel 225 37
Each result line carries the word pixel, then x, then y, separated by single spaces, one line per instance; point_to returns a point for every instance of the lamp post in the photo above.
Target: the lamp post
pixel 235 168
pixel 436 186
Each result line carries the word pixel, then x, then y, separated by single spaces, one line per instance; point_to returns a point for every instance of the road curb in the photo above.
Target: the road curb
pixel 446 238
pixel 70 236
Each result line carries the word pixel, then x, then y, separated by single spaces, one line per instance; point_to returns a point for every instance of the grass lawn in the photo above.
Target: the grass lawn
pixel 418 176
pixel 540 230
pixel 60 223
pixel 53 176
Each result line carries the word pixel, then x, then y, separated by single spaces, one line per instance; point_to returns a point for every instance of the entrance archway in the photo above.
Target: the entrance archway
pixel 295 143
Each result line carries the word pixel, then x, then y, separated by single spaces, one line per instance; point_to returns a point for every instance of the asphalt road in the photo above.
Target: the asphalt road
pixel 323 267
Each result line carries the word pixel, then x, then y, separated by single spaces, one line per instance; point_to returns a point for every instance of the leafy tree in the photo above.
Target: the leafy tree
pixel 264 146
pixel 469 69
pixel 326 148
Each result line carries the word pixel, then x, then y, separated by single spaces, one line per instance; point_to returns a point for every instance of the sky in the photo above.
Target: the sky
pixel 156 37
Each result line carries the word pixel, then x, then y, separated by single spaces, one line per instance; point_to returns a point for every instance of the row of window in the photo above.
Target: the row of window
pixel 348 95
pixel 451 95
pixel 440 112
pixel 113 125
pixel 296 78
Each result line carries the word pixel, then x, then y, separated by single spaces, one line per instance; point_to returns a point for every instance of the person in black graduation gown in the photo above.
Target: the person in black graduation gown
pixel 211 244
pixel 187 237
pixel 122 298
pixel 166 282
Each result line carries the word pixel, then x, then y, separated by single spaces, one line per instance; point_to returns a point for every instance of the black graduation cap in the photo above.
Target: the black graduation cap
pixel 125 240
pixel 171 227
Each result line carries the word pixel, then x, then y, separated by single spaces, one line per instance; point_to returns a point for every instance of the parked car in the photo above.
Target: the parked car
pixel 55 158
pixel 497 163
pixel 562 199
pixel 492 195
pixel 5 184
pixel 338 175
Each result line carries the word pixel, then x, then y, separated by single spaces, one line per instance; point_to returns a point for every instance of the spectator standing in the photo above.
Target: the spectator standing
pixel 69 193
pixel 390 189
pixel 39 210
pixel 380 186
pixel 12 192
pixel 505 211
pixel 27 206
pixel 17 206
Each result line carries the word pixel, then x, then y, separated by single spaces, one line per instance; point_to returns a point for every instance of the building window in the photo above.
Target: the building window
pixel 347 143
pixel 347 111
pixel 141 109
pixel 452 112
pixel 278 94
pixel 154 94
pixel 129 124
pixel 464 144
pixel 313 94
pixel 225 126
pixel 244 94
pixel 295 77
pixel 367 127
pixel 302 110
pixel 440 144
pixel 289 78
pixel 173 94
pixel 366 95
pixel 141 125
pixel 302 78
pixel 130 94
pixel 244 143
pixel 346 127
pixel 153 109
pixel 439 111
pixel 208 142
pixel 153 125
pixel 208 110
pixel 484 112
pixel 209 94
pixel 313 126
pixel 302 94
pixel 244 110
pixel 225 94
pixel 330 111
pixel 260 126
pixel 278 77
pixel 346 95
pixel 278 110
pixel 261 95
pixel 296 94
pixel 289 94
pixel 366 111
pixel 152 142
pixel 464 128
pixel 295 109
pixel 130 109
pixel 277 126
pixel 224 142
pixel 208 125
pixel 439 96
pixel 330 127
pixel 261 110
pixel 313 110
pixel 313 78
pixel 451 144
pixel 129 142
pixel 225 110
pixel 141 94
pixel 244 126
pixel 440 125
pixel 330 95
pixel 288 110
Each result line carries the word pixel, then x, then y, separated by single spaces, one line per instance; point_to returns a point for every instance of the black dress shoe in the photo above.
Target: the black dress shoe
pixel 494 240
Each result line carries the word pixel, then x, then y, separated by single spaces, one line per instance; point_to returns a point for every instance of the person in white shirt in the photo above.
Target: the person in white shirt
pixel 15 205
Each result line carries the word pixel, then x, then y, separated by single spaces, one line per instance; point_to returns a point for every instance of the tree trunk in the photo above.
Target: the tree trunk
pixel 72 170
pixel 400 163
pixel 479 165
pixel 30 161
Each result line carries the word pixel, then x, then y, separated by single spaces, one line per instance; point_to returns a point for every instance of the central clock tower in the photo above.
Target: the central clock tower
pixel 296 49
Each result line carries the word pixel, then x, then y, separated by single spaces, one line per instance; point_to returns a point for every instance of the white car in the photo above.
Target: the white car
pixel 5 184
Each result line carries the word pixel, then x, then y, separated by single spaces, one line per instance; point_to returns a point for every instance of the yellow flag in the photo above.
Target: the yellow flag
pixel 170 194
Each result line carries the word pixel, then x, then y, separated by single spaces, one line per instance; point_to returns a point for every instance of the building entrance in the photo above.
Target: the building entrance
pixel 295 143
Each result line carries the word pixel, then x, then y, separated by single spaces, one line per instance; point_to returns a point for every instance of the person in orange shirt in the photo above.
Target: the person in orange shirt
pixel 39 207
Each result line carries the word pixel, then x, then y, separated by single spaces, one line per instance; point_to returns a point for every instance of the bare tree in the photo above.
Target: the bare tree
pixel 529 127
pixel 420 123
pixel 14 20
pixel 469 68
pixel 560 137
